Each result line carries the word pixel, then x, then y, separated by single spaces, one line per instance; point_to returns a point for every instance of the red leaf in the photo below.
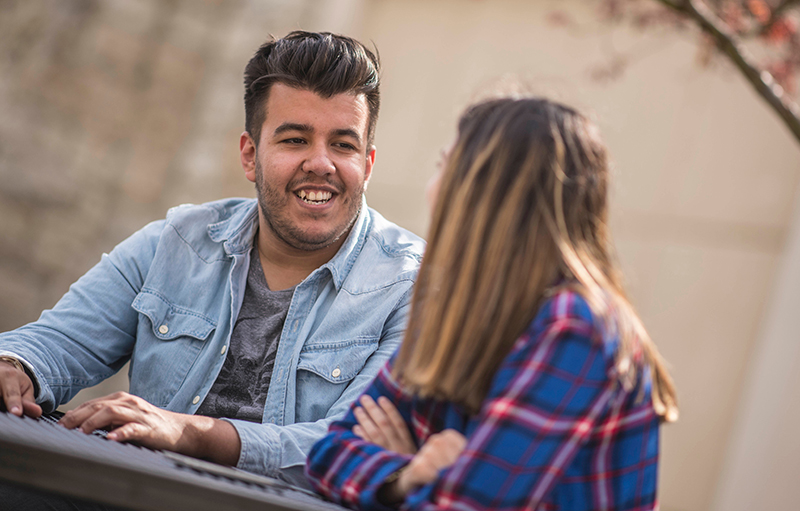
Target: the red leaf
pixel 781 30
pixel 759 9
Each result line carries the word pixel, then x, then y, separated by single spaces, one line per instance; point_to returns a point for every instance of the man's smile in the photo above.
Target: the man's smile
pixel 314 197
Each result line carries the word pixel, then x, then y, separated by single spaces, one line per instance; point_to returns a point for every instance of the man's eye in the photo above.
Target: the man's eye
pixel 293 141
pixel 345 145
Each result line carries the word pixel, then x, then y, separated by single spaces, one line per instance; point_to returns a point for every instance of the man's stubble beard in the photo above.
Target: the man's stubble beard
pixel 274 203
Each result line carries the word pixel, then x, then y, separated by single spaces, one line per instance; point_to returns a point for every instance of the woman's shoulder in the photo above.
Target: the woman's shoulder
pixel 561 360
pixel 566 307
pixel 565 323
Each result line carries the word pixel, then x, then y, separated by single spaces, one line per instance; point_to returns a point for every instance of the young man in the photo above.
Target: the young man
pixel 272 314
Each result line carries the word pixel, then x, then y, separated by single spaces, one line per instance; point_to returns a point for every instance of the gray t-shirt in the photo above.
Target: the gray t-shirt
pixel 240 390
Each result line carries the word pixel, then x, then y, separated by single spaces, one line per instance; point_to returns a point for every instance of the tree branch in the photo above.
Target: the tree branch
pixel 672 5
pixel 761 81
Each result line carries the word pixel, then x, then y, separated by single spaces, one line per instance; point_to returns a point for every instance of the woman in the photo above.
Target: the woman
pixel 525 379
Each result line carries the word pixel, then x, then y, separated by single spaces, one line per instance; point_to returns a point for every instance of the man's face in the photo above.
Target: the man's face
pixel 311 166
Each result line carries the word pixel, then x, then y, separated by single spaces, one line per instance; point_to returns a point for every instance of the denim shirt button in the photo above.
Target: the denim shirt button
pixel 196 400
pixel 224 349
pixel 296 323
pixel 163 329
pixel 336 372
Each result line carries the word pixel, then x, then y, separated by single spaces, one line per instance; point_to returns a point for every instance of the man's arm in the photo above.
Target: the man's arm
pixel 278 451
pixel 89 333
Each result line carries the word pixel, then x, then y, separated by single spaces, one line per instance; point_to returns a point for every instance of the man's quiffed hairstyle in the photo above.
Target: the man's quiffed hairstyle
pixel 324 63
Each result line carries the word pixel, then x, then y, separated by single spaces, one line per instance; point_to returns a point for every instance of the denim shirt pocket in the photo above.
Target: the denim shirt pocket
pixel 323 372
pixel 167 345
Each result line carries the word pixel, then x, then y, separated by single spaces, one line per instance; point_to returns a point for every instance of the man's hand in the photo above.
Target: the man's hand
pixel 16 390
pixel 132 419
pixel 440 451
pixel 380 423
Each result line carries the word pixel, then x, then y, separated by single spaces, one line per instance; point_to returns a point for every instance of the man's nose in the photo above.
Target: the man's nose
pixel 319 162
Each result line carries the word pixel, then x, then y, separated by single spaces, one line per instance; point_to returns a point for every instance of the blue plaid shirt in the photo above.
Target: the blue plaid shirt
pixel 556 431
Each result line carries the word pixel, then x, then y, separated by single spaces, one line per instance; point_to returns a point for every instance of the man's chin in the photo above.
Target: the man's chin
pixel 312 241
pixel 308 234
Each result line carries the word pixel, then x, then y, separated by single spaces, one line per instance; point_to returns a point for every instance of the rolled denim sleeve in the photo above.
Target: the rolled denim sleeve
pixel 89 334
pixel 281 451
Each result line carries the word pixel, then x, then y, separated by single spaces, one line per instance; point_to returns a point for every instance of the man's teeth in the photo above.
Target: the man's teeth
pixel 314 197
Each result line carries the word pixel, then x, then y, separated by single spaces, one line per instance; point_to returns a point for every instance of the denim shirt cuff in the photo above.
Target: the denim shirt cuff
pixel 261 448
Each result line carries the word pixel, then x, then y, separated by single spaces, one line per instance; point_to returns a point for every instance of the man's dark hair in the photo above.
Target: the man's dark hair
pixel 324 63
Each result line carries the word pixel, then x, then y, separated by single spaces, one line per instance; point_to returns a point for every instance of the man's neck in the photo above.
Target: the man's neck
pixel 285 266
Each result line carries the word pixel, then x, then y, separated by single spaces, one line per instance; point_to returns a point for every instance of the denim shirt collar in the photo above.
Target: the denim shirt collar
pixel 238 231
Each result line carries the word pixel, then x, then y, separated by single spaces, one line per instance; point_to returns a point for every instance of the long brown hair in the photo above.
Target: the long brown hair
pixel 522 210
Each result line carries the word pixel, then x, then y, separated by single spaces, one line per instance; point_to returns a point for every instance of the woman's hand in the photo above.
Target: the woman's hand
pixel 381 424
pixel 439 452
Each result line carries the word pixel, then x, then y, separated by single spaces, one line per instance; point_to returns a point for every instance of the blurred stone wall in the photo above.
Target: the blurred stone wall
pixel 110 113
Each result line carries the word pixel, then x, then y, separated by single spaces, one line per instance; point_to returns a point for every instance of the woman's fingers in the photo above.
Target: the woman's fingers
pixel 360 433
pixel 403 441
pixel 370 431
pixel 383 425
pixel 440 451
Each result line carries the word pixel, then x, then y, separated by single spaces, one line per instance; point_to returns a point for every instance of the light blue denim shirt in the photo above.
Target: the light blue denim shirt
pixel 167 299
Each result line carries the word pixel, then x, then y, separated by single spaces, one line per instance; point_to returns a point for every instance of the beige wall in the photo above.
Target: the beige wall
pixel 705 180
pixel 114 111
pixel 760 467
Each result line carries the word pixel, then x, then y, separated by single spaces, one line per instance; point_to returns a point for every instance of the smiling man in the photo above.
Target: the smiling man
pixel 250 324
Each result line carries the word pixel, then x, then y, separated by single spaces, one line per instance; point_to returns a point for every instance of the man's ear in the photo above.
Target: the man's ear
pixel 247 155
pixel 368 166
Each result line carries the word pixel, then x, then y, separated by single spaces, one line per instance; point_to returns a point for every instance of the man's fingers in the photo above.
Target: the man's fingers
pixel 12 397
pixel 96 414
pixel 109 416
pixel 16 388
pixel 29 406
pixel 75 417
pixel 31 409
pixel 127 433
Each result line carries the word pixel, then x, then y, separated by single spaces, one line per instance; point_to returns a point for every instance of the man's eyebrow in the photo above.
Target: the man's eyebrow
pixel 305 128
pixel 347 132
pixel 291 126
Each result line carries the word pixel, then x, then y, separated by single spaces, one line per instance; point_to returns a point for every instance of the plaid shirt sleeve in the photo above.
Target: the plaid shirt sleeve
pixel 349 470
pixel 555 427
